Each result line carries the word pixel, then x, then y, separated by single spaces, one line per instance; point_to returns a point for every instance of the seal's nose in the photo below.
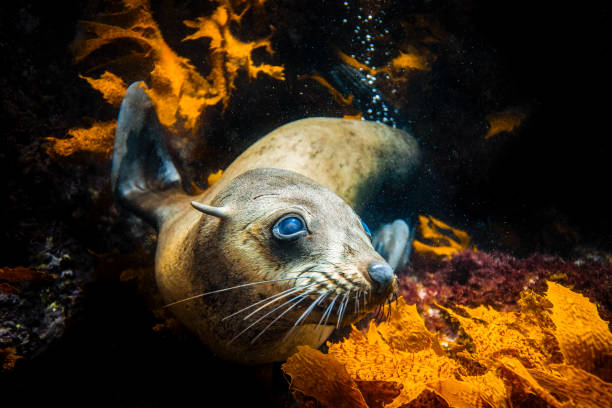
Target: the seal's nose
pixel 382 274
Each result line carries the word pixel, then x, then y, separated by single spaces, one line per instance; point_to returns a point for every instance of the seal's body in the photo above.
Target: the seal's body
pixel 279 227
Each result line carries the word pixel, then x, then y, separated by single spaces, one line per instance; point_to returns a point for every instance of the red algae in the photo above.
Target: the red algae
pixel 497 279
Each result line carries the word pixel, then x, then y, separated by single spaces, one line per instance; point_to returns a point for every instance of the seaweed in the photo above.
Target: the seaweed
pixel 555 351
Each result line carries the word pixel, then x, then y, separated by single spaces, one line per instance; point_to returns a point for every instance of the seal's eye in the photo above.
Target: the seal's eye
pixel 289 227
pixel 366 229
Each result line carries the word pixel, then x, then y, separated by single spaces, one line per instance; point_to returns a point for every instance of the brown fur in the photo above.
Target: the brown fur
pixel 317 168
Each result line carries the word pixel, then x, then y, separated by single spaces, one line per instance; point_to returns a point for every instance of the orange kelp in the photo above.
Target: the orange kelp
pixel 179 92
pixel 439 240
pixel 98 139
pixel 555 352
pixel 397 67
pixel 506 121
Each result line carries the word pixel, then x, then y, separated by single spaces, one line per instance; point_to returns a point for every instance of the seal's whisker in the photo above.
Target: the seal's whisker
pixel 377 313
pixel 301 299
pixel 273 299
pixel 232 288
pixel 357 304
pixel 293 299
pixel 342 308
pixel 280 297
pixel 327 313
pixel 292 290
pixel 394 299
pixel 346 303
pixel 307 312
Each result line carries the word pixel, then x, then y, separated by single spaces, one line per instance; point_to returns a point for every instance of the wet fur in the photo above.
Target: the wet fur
pixel 321 168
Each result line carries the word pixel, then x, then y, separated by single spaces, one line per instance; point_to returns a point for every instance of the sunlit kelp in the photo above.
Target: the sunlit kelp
pixel 437 240
pixel 180 93
pixel 509 359
pixel 506 121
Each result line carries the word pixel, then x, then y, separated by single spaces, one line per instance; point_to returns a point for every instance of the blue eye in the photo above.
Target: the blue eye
pixel 366 229
pixel 289 227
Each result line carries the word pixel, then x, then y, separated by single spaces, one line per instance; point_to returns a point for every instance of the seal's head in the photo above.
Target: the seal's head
pixel 299 260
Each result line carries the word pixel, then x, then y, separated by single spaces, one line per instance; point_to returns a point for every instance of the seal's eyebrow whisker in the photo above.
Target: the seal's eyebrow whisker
pixel 307 312
pixel 293 299
pixel 232 288
pixel 264 195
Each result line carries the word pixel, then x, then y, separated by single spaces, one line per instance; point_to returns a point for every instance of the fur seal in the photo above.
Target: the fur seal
pixel 273 255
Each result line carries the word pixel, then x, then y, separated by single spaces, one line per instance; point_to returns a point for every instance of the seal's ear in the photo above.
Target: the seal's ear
pixel 221 212
pixel 143 177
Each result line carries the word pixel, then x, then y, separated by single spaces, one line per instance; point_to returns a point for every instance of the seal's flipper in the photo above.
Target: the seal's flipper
pixel 143 175
pixel 393 242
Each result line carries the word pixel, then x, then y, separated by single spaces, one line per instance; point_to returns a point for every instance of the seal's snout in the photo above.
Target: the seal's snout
pixel 382 274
